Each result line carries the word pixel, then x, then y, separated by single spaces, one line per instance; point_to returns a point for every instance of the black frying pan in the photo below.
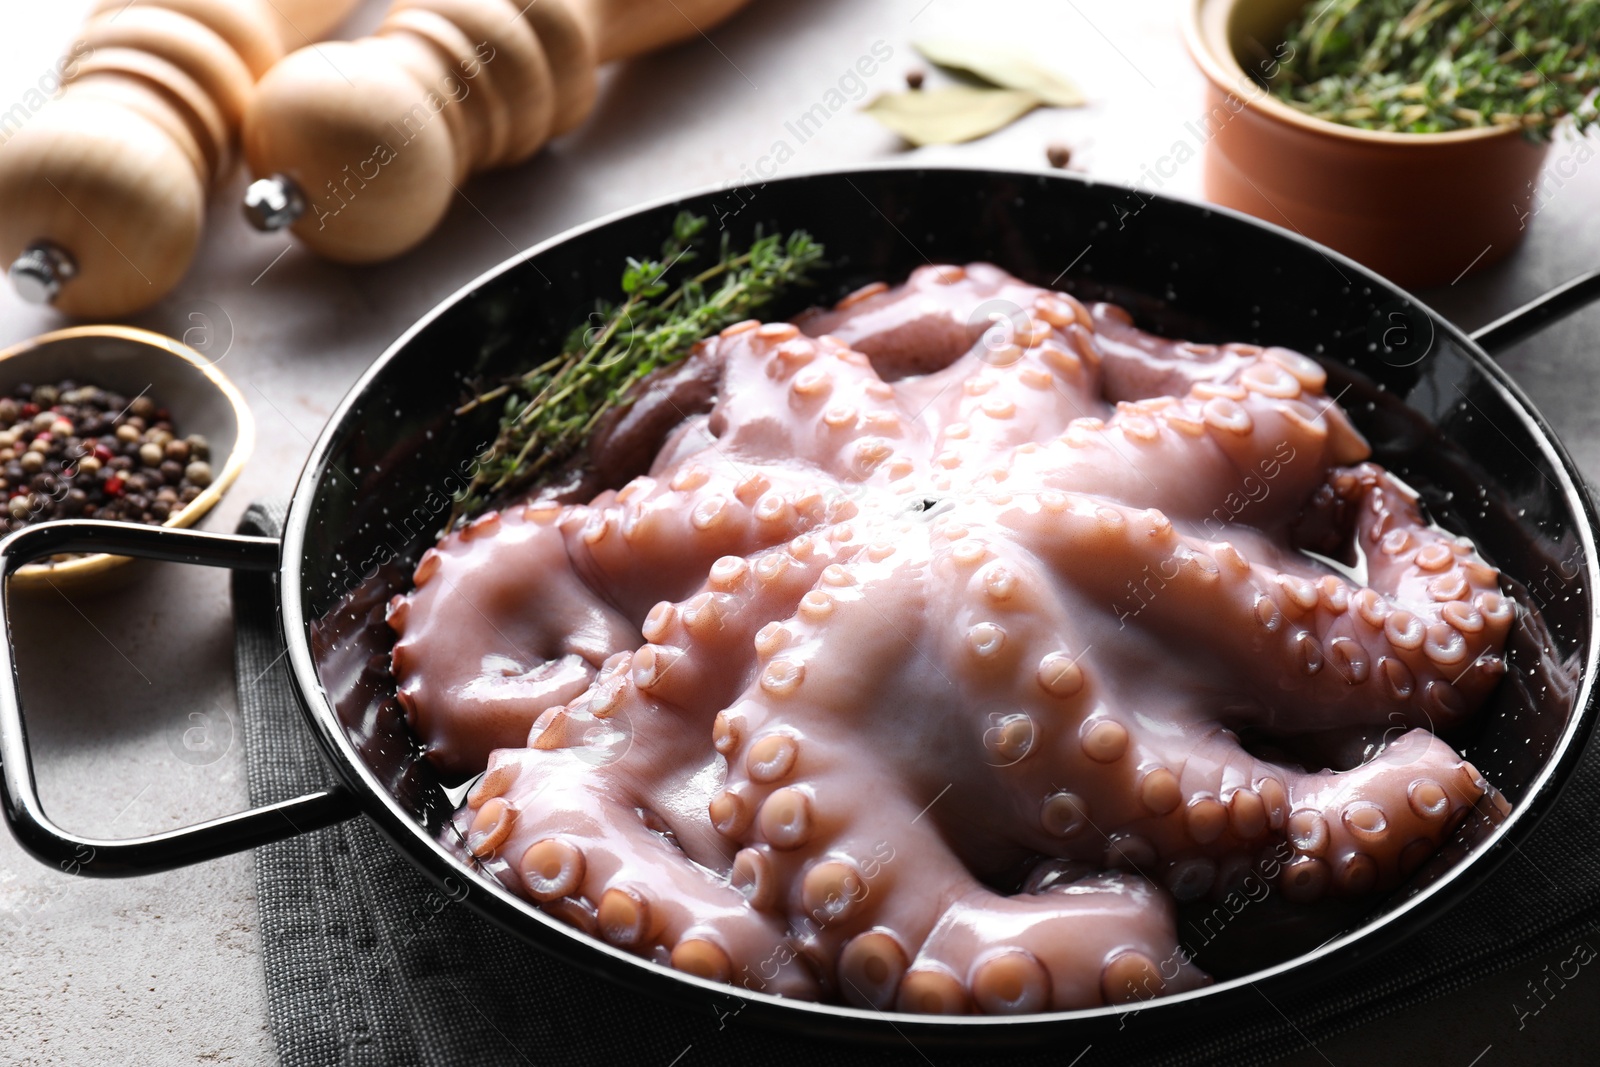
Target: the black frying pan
pixel 1435 407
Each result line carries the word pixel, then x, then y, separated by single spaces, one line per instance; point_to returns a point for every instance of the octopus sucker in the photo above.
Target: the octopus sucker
pixel 1104 740
pixel 552 868
pixel 913 672
pixel 933 990
pixel 871 966
pixel 703 958
pixel 1247 813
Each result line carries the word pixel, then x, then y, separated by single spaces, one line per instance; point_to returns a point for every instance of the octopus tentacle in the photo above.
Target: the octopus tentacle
pixel 1258 434
pixel 1199 809
pixel 613 866
pixel 1107 938
pixel 497 657
pixel 935 316
pixel 1351 654
pixel 840 414
pixel 652 540
pixel 691 642
pixel 1140 365
pixel 1365 829
pixel 792 790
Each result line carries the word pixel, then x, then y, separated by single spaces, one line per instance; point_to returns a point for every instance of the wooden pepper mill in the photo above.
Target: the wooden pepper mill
pixel 102 192
pixel 360 146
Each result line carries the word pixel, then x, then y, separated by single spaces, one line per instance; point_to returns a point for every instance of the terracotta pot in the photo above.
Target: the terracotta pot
pixel 1421 208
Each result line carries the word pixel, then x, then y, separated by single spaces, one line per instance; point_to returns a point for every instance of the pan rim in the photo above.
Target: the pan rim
pixel 551 935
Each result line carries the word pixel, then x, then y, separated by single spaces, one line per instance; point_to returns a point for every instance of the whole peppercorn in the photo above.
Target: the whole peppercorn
pixel 69 450
pixel 914 79
pixel 1059 155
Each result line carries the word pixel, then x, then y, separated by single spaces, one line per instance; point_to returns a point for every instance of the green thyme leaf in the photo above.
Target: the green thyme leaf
pixel 1430 66
pixel 550 410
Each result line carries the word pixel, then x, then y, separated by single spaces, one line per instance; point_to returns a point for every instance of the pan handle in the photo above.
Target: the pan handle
pixel 172 848
pixel 1535 315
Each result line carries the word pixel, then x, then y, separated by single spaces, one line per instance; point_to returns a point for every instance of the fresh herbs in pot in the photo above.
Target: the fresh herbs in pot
pixel 666 306
pixel 1430 66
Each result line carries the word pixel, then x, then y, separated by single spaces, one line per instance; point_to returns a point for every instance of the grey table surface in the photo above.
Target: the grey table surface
pixel 166 969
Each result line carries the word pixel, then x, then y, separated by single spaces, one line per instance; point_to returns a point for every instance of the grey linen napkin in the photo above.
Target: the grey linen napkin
pixel 368 962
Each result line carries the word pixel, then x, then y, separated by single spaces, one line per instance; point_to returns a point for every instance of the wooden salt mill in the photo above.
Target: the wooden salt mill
pixel 360 146
pixel 103 191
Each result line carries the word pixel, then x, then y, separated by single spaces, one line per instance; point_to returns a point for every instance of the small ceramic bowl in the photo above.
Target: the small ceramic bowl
pixel 1421 208
pixel 130 361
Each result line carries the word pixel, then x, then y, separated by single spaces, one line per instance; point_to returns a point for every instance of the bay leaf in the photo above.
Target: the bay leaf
pixel 950 115
pixel 1004 66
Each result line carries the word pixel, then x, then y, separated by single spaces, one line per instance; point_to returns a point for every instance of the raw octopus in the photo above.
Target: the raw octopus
pixel 914 673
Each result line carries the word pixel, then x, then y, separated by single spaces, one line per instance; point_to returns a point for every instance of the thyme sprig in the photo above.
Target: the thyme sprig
pixel 550 410
pixel 1429 66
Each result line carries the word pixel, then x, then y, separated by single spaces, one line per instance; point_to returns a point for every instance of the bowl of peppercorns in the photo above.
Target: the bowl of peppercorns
pixel 111 422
